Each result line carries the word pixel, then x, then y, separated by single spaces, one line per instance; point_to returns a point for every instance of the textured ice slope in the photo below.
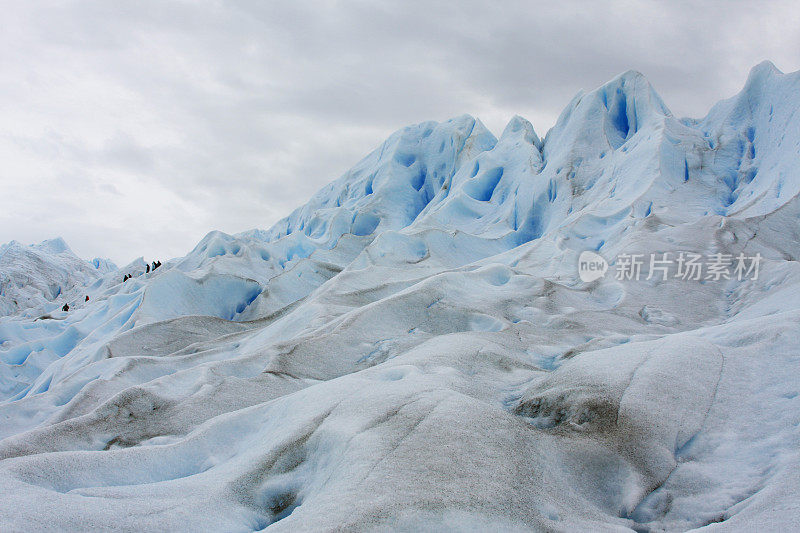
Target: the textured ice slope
pixel 37 278
pixel 413 348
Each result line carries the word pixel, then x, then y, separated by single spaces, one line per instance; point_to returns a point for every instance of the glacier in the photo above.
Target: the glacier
pixel 33 277
pixel 414 350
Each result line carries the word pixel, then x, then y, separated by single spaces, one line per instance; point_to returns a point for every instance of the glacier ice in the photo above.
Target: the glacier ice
pixel 413 348
pixel 32 277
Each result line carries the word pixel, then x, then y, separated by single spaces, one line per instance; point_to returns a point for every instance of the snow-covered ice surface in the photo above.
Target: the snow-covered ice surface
pixel 39 278
pixel 413 349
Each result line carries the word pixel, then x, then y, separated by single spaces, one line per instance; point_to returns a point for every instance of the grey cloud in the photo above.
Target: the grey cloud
pixel 136 128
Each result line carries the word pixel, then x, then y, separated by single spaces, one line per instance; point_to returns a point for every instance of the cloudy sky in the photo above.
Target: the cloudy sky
pixel 134 128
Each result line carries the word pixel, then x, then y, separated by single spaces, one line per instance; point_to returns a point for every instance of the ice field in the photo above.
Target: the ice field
pixel 414 350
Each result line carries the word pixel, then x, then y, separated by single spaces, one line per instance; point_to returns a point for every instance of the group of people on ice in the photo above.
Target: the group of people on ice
pixel 125 278
pixel 156 264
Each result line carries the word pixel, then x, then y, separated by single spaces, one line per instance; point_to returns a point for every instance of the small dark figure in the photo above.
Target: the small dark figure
pixel 158 263
pixel 87 298
pixel 125 278
pixel 147 269
pixel 155 266
pixel 65 308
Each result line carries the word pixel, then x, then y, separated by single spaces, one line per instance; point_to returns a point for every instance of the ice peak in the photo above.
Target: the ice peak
pixel 520 126
pixel 608 115
pixel 634 86
pixel 104 264
pixel 57 245
pixel 760 76
pixel 54 246
pixel 630 76
pixel 10 245
pixel 766 67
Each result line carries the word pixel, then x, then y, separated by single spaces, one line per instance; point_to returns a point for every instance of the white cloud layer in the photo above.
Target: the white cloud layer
pixel 135 128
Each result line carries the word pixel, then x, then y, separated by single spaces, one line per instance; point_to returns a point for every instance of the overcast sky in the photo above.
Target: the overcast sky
pixel 134 128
